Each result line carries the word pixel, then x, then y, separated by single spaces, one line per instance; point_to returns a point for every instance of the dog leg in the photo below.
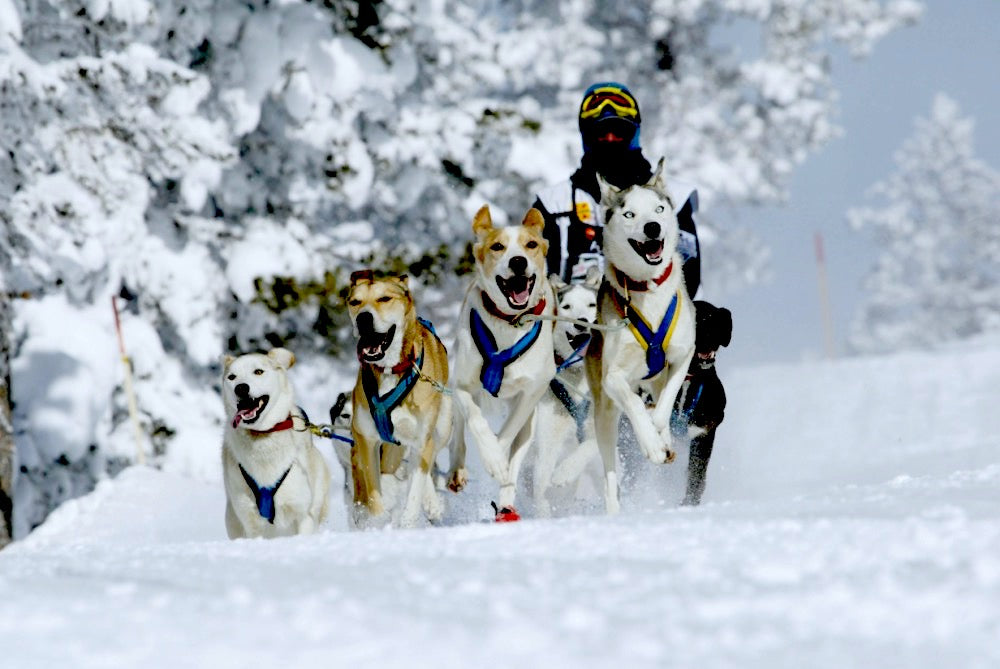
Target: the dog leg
pixel 665 401
pixel 365 474
pixel 519 450
pixel 573 466
pixel 420 478
pixel 458 475
pixel 545 459
pixel 490 450
pixel 606 417
pixel 652 445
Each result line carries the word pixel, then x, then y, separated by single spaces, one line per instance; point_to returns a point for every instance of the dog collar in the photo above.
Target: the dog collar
pixel 286 424
pixel 630 284
pixel 493 310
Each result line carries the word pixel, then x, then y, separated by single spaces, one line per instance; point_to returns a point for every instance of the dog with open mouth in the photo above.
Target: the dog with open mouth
pixel 504 357
pixel 643 289
pixel 568 469
pixel 401 418
pixel 277 482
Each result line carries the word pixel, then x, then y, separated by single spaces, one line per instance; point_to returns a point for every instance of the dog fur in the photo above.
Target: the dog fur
pixel 640 244
pixel 570 462
pixel 509 282
pixel 394 349
pixel 266 437
pixel 701 403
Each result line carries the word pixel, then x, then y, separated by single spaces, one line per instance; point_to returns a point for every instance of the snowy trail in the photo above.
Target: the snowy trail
pixel 842 547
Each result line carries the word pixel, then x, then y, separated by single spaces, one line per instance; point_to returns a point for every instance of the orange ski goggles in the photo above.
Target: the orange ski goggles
pixel 601 99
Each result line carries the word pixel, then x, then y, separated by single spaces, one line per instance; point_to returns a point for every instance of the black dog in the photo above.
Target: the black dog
pixel 701 403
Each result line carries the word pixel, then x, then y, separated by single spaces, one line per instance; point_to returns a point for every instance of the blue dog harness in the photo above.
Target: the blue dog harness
pixel 381 407
pixel 655 343
pixel 264 496
pixel 494 360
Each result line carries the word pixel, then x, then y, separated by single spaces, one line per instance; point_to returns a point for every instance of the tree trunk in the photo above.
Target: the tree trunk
pixel 6 426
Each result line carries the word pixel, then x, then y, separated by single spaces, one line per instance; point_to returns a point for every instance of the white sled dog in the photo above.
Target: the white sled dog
pixel 401 419
pixel 570 461
pixel 277 482
pixel 644 284
pixel 503 361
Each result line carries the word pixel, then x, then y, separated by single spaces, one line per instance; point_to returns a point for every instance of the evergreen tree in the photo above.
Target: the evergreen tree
pixel 224 166
pixel 936 278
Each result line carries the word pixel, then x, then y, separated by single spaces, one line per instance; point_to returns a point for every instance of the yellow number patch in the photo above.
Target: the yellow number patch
pixel 583 211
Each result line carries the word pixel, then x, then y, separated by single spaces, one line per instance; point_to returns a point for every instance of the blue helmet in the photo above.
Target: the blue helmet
pixel 609 107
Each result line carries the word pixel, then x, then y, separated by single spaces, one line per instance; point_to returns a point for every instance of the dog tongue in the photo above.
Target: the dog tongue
pixel 243 414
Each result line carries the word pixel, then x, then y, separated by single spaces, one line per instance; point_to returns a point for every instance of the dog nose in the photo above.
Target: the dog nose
pixel 242 390
pixel 518 264
pixel 652 229
pixel 365 321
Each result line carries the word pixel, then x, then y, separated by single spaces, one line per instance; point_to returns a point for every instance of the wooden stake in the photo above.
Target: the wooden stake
pixel 133 412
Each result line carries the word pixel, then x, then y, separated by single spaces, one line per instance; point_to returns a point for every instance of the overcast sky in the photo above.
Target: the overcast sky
pixel 955 50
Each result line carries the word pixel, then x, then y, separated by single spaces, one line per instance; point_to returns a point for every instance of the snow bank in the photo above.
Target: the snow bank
pixel 858 526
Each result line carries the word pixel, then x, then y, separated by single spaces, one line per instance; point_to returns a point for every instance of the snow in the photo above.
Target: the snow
pixel 851 519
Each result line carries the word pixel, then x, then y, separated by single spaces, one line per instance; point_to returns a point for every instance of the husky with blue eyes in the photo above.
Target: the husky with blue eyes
pixel 277 482
pixel 644 292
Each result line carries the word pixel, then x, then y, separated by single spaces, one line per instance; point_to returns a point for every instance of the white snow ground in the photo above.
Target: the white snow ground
pixel 852 519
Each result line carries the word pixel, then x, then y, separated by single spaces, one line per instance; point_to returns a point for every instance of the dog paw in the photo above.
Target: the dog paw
pixel 433 507
pixel 495 467
pixel 457 479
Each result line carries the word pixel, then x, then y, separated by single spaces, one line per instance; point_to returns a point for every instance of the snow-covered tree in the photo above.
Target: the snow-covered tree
pixel 937 223
pixel 223 166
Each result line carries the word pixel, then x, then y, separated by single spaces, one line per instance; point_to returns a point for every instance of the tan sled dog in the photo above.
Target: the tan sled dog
pixel 401 419
pixel 644 284
pixel 504 362
pixel 277 482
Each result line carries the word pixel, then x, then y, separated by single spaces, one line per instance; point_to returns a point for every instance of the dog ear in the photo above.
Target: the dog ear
pixel 557 283
pixel 227 360
pixel 533 220
pixel 656 181
pixel 608 191
pixel 362 275
pixel 725 326
pixel 482 223
pixel 593 278
pixel 282 357
pixel 403 280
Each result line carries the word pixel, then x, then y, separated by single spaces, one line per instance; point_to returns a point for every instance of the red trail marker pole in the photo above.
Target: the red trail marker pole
pixel 824 297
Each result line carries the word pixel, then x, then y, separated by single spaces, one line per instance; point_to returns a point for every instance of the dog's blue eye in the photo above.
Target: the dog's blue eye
pixel 629 214
pixel 659 210
pixel 258 372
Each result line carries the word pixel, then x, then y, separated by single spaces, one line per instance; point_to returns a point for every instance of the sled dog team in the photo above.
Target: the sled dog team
pixel 529 376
